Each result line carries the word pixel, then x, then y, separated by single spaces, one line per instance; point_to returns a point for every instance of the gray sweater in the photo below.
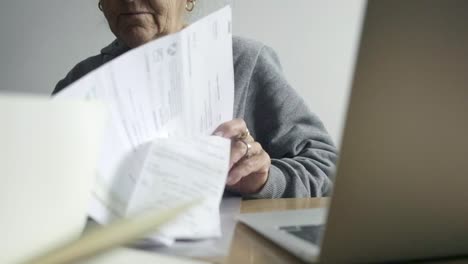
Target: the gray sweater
pixel 302 153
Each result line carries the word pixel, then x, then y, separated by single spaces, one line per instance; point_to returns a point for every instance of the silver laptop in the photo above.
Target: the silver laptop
pixel 48 153
pixel 401 186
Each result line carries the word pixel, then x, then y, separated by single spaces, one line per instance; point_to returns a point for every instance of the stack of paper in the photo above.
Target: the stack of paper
pixel 165 98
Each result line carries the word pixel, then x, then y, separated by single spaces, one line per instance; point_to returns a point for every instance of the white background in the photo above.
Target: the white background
pixel 316 41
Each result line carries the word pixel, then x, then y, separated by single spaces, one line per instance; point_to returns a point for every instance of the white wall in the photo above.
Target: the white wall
pixel 316 41
pixel 42 40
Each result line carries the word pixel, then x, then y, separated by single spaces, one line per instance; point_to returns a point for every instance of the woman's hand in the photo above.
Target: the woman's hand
pixel 249 164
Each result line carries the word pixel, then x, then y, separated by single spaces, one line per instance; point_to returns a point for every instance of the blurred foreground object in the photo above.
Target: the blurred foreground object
pixel 47 159
pixel 129 256
pixel 119 233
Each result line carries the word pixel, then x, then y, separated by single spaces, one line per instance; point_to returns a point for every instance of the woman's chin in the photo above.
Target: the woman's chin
pixel 137 37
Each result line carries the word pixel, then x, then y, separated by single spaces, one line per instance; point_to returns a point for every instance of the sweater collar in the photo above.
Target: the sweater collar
pixel 116 48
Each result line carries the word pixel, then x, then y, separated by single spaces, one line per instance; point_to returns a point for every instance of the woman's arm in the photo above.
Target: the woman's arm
pixel 302 154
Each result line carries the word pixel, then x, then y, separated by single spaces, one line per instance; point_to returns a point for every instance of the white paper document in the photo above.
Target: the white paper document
pixel 178 169
pixel 209 248
pixel 178 88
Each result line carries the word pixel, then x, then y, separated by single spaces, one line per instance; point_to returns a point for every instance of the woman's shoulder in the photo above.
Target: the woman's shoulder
pixel 89 64
pixel 78 71
pixel 109 52
pixel 249 50
pixel 253 59
pixel 245 46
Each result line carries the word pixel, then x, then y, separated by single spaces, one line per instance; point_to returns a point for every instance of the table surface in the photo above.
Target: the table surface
pixel 248 247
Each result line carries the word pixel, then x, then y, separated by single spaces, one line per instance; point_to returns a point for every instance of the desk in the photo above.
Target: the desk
pixel 248 247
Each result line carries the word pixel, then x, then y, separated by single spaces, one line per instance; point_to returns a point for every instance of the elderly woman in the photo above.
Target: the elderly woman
pixel 287 152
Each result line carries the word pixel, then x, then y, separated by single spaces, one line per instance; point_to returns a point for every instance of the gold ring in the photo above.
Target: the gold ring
pixel 244 135
pixel 248 147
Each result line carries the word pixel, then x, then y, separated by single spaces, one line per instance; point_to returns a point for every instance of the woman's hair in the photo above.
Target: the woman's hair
pixel 204 7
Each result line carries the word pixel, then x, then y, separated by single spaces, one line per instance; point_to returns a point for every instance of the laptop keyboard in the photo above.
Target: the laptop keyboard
pixel 310 233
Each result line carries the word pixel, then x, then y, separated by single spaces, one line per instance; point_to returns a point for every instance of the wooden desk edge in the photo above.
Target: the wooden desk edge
pixel 246 242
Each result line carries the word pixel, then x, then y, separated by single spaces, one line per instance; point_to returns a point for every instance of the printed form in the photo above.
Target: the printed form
pixel 164 100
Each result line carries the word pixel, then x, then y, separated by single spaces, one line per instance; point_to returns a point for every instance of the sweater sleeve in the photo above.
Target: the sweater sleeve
pixel 302 153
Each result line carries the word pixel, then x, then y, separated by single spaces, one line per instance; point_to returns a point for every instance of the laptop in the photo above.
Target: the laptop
pixel 48 158
pixel 401 184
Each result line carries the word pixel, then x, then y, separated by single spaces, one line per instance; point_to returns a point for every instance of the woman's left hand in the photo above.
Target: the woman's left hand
pixel 249 164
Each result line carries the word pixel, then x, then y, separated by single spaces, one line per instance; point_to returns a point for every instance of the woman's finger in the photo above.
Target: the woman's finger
pixel 231 129
pixel 239 150
pixel 255 164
